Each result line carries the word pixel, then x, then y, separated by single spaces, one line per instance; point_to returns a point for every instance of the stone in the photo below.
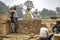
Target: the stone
pixel 26 38
pixel 9 38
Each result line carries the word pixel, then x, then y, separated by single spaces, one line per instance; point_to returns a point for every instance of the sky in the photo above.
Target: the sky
pixel 39 4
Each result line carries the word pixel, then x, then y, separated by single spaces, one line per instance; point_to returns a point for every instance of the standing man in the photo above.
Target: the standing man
pixel 13 20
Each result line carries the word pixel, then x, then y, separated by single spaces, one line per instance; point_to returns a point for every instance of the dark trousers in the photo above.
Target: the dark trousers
pixel 13 24
pixel 50 36
pixel 13 28
pixel 43 38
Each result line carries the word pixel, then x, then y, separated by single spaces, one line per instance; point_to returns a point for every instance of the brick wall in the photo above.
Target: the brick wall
pixel 28 26
pixel 3 23
pixel 24 26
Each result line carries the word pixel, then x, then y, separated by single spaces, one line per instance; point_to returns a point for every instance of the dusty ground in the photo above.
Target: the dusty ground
pixel 21 37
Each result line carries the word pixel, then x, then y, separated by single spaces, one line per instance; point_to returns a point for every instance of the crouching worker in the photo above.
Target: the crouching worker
pixel 44 33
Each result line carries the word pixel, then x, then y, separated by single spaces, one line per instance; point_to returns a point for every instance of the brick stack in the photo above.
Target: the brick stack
pixel 4 28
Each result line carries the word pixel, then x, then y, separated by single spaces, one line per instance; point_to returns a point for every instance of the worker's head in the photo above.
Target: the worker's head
pixel 57 22
pixel 43 25
pixel 11 8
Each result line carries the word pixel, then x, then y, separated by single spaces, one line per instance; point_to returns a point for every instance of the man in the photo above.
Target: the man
pixel 56 28
pixel 44 33
pixel 13 20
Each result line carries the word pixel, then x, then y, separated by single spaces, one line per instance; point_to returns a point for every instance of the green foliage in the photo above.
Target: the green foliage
pixel 46 14
pixel 53 17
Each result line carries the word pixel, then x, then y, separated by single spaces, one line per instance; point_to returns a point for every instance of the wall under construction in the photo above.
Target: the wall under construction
pixel 23 26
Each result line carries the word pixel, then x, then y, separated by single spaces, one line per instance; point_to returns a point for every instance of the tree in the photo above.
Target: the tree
pixel 29 4
pixel 58 11
pixel 51 13
pixel 45 13
pixel 3 8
